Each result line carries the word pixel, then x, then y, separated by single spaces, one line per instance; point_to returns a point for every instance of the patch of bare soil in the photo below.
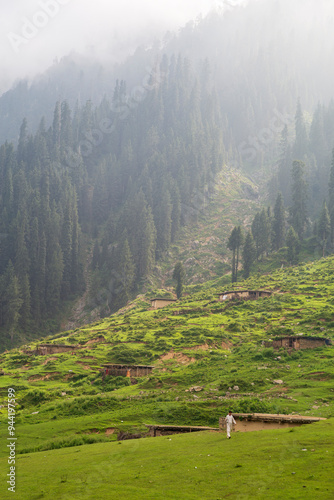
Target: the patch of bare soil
pixel 98 339
pixel 203 347
pixel 110 431
pixel 85 367
pixel 181 358
pixel 47 360
pixel 48 376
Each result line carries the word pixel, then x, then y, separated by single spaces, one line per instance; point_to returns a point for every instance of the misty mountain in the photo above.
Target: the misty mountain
pixel 262 58
pixel 100 166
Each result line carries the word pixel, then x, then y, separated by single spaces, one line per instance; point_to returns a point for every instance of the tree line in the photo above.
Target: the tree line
pixel 125 198
pixel 273 229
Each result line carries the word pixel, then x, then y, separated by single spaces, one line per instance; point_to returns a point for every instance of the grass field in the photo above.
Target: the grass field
pixel 286 464
pixel 68 416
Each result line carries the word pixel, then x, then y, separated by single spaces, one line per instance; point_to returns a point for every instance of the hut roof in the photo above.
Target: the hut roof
pixel 58 345
pixel 267 417
pixel 243 291
pixel 164 299
pixel 307 337
pixel 128 365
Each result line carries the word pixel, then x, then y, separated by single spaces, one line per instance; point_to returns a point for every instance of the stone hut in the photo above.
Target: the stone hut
pixel 246 422
pixel 158 303
pixel 298 342
pixel 131 371
pixel 45 349
pixel 244 294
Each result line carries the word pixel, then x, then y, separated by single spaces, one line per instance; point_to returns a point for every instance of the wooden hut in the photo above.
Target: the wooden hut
pixel 132 371
pixel 297 342
pixel 158 303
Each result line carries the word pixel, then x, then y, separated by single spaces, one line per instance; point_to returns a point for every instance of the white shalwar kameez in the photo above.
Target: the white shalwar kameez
pixel 229 423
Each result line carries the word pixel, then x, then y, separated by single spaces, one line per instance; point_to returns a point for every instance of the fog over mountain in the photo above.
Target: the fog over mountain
pixel 34 33
pixel 106 153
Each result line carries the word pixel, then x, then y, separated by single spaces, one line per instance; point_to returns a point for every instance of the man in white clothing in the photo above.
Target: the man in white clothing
pixel 229 423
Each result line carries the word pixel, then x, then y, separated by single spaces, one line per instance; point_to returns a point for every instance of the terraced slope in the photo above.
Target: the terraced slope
pixel 208 357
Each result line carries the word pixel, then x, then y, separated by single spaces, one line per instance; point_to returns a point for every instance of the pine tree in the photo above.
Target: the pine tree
pixel 234 243
pixel 163 222
pixel 179 276
pixel 317 137
pixel 249 254
pixel 301 142
pixel 12 301
pixel 261 231
pixel 54 271
pixel 25 311
pixel 284 163
pixel 293 245
pixel 278 225
pixel 331 198
pixel 126 273
pixel 324 227
pixel 298 209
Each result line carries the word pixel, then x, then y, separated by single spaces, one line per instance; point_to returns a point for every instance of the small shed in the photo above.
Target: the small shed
pixel 45 349
pixel 244 294
pixel 158 303
pixel 131 371
pixel 298 342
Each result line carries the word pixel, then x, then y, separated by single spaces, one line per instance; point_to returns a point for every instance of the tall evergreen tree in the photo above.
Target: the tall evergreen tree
pixel 331 197
pixel 284 163
pixel 248 254
pixel 298 209
pixel 293 245
pixel 235 241
pixel 179 276
pixel 278 225
pixel 324 227
pixel 301 143
pixel 261 229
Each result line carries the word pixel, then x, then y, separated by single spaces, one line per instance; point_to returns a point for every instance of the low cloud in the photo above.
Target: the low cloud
pixel 34 33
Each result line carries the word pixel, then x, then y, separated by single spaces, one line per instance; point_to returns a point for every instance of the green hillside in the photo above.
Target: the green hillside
pixel 197 341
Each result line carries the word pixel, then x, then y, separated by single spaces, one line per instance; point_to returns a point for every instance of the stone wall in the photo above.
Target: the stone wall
pixel 44 350
pixel 127 370
pixel 296 343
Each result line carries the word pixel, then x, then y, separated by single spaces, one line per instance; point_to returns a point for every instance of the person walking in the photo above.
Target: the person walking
pixel 229 423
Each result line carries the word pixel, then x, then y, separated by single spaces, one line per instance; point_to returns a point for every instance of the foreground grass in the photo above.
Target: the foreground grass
pixel 291 464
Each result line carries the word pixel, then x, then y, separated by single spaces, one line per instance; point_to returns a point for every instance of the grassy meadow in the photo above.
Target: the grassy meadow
pixel 291 463
pixel 209 357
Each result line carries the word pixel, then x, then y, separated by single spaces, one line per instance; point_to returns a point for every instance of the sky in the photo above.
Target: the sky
pixel 34 33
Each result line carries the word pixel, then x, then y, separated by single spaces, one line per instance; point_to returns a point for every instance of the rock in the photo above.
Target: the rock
pixel 196 388
pixel 288 367
pixel 230 388
pixel 279 357
pixel 315 407
pixel 63 393
pixel 252 383
pixel 278 382
pixel 235 388
pixel 176 399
